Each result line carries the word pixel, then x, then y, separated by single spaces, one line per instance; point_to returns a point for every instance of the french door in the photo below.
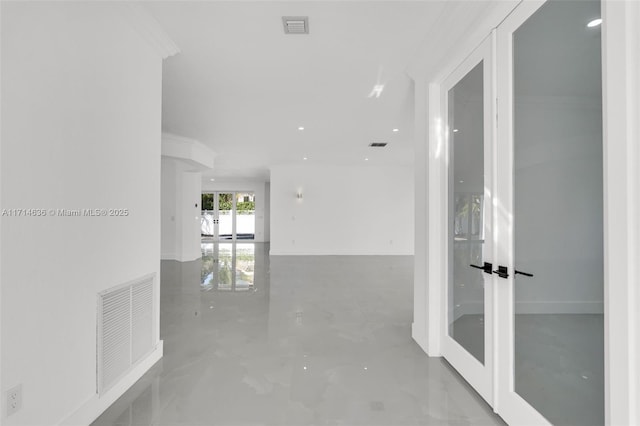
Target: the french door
pixel 524 306
pixel 551 185
pixel 228 216
pixel 218 218
pixel 468 103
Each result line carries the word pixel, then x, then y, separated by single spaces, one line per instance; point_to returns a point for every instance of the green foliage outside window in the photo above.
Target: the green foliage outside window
pixel 225 202
pixel 207 202
pixel 245 207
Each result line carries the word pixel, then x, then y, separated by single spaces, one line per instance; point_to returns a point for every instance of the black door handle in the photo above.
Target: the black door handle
pixel 526 274
pixel 502 272
pixel 486 268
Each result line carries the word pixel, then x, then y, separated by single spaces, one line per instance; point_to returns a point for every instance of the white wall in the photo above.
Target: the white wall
pixel 81 111
pixel 558 204
pixel 261 190
pixel 169 209
pixel 365 210
pixel 180 216
pixel 267 211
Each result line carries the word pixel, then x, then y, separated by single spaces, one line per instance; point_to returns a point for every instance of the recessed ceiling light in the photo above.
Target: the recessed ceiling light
pixel 304 158
pixel 396 130
pixel 594 23
pixel 461 181
pixel 366 159
pixel 212 180
pixel 300 128
pixel 455 130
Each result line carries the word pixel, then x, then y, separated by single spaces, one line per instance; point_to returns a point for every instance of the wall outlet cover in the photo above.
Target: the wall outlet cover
pixel 14 400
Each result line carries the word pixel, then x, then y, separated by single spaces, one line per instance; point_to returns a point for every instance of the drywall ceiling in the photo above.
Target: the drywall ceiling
pixel 243 87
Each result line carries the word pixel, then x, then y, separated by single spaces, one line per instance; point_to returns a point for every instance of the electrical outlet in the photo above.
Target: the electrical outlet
pixel 14 400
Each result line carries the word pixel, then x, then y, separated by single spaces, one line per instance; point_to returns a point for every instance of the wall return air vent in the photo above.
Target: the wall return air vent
pixel 296 24
pixel 125 329
pixel 378 144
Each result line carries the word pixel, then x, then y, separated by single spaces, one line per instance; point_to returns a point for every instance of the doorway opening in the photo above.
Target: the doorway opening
pixel 228 216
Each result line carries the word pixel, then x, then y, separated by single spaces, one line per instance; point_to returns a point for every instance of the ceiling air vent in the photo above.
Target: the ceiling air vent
pixel 296 24
pixel 378 144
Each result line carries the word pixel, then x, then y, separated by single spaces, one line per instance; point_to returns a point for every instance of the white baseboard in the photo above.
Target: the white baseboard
pixel 168 256
pixel 338 252
pixel 419 334
pixel 538 307
pixel 181 257
pixel 96 405
pixel 468 308
pixel 553 307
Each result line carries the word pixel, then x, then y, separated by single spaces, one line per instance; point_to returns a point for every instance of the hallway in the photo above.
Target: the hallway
pixel 302 340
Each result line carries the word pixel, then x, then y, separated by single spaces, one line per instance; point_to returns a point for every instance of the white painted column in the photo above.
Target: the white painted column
pixel 183 160
pixel 621 92
pixel 181 210
pixel 419 328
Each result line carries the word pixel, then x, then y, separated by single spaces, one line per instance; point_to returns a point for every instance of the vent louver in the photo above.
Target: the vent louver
pixel 125 329
pixel 296 24
pixel 378 144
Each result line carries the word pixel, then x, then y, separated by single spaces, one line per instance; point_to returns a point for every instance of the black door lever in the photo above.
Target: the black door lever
pixel 526 274
pixel 502 272
pixel 486 268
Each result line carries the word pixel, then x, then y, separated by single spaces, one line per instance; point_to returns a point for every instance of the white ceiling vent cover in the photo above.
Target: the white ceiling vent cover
pixel 296 24
pixel 125 329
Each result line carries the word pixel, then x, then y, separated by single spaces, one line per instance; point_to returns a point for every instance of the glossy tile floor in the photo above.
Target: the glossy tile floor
pixel 559 363
pixel 559 366
pixel 323 340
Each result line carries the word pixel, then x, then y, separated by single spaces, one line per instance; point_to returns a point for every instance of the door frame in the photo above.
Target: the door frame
pixel 479 375
pixel 234 214
pixel 621 131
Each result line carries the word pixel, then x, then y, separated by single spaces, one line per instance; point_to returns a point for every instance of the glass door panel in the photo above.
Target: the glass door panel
pixel 208 218
pixel 550 221
pixel 466 190
pixel 469 109
pixel 245 216
pixel 558 208
pixel 226 205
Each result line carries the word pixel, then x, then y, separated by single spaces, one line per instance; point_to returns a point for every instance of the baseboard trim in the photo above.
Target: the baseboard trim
pixel 92 408
pixel 553 307
pixel 337 253
pixel 537 307
pixel 419 335
pixel 181 258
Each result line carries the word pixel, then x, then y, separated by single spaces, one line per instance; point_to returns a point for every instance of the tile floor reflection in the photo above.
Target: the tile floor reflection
pixel 302 340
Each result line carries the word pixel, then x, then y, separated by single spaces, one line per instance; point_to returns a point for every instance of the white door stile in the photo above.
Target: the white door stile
pixel 479 376
pixel 494 222
pixel 509 405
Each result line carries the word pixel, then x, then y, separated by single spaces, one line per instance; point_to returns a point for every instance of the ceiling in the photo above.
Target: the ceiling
pixel 243 87
pixel 556 54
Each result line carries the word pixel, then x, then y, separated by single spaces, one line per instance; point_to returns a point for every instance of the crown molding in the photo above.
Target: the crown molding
pixel 149 29
pixel 459 29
